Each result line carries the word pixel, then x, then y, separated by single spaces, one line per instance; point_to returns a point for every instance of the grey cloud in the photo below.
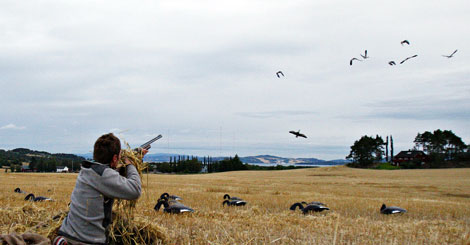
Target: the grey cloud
pixel 271 114
pixel 421 109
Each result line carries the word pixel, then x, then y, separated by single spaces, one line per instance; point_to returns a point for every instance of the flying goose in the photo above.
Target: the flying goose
pixel 308 208
pixel 405 41
pixel 351 61
pixel 173 207
pixel 172 197
pixel 391 210
pixel 297 134
pixel 403 61
pixel 451 55
pixel 392 63
pixel 31 197
pixel 279 73
pixel 365 55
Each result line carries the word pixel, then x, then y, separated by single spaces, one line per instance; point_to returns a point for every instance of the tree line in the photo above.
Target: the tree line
pixel 186 164
pixel 444 149
pixel 39 161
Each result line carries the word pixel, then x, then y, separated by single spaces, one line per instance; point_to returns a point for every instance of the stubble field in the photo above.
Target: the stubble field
pixel 438 204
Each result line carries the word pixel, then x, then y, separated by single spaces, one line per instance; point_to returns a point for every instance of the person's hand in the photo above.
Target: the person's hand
pixel 144 151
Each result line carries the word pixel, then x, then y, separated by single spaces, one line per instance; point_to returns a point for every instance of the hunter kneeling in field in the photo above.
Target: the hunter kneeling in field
pixel 98 183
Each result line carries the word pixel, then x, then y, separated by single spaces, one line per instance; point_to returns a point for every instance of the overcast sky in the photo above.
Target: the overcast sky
pixel 203 74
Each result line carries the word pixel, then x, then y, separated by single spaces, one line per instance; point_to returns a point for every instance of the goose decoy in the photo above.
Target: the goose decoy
pixel 18 190
pixel 392 63
pixel 227 196
pixel 31 197
pixel 172 207
pixel 279 73
pixel 451 55
pixel 314 203
pixel 391 210
pixel 308 208
pixel 365 55
pixel 405 41
pixel 351 61
pixel 403 61
pixel 297 134
pixel 172 197
pixel 233 201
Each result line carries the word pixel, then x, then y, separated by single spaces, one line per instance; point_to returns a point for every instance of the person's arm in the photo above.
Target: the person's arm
pixel 113 185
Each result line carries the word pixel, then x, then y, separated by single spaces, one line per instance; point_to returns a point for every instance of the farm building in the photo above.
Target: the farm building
pixel 62 169
pixel 410 156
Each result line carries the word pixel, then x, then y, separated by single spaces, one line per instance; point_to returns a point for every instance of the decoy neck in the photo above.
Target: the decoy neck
pixel 295 205
pixel 161 202
pixel 29 197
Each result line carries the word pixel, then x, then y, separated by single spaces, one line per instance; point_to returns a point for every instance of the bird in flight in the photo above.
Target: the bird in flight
pixel 365 55
pixel 408 58
pixel 392 63
pixel 279 73
pixel 451 55
pixel 351 61
pixel 297 134
pixel 405 41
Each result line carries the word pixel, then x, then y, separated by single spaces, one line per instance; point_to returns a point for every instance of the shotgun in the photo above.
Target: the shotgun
pixel 147 144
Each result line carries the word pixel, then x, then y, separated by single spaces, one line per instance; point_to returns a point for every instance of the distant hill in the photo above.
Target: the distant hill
pixel 267 159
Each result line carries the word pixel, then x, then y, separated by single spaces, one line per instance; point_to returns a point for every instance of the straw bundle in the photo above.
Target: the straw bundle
pixel 127 229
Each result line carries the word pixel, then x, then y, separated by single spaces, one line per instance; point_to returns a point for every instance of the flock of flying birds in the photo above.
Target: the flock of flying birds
pixel 392 63
pixel 365 56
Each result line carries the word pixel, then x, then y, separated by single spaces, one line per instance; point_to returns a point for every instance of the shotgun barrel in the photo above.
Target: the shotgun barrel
pixel 147 144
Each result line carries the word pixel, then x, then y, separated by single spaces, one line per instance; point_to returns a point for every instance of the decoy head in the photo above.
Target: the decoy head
pixel 383 207
pixel 29 197
pixel 226 202
pixel 226 196
pixel 18 190
pixel 164 195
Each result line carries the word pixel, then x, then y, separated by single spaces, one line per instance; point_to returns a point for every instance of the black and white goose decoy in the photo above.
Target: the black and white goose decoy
pixel 451 55
pixel 392 63
pixel 172 206
pixel 279 73
pixel 351 61
pixel 170 197
pixel 365 55
pixel 403 61
pixel 314 203
pixel 309 207
pixel 405 41
pixel 31 197
pixel 233 201
pixel 18 190
pixel 391 210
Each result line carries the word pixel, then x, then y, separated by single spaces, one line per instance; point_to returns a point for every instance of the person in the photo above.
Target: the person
pixel 98 183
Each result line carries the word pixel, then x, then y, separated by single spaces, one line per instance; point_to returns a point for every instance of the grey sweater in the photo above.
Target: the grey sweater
pixel 92 201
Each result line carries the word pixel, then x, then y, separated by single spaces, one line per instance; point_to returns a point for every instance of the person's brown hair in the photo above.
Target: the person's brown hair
pixel 106 147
